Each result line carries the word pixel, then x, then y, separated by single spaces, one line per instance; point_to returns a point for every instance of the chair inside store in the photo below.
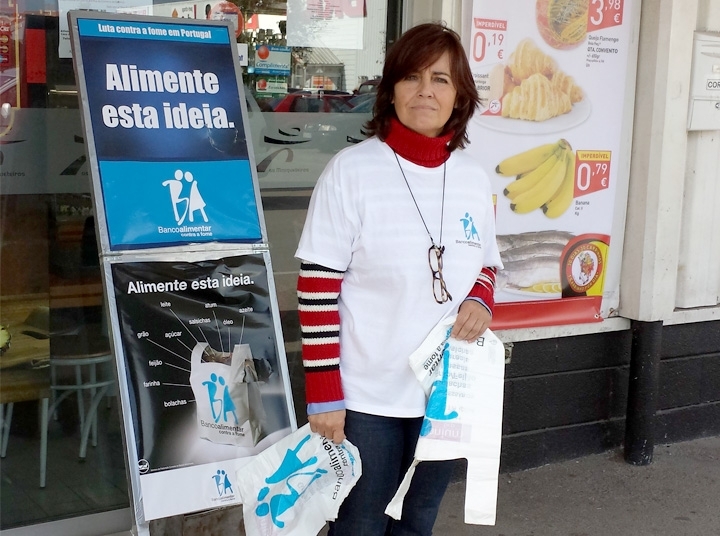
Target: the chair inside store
pixel 24 371
pixel 77 362
pixel 81 364
pixel 81 367
pixel 25 385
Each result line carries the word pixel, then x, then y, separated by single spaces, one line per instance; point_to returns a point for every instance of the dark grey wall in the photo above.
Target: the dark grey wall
pixel 689 401
pixel 566 397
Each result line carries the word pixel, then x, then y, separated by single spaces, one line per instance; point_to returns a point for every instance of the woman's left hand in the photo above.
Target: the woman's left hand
pixel 472 321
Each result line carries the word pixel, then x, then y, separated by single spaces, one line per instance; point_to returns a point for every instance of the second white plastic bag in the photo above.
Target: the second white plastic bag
pixel 463 418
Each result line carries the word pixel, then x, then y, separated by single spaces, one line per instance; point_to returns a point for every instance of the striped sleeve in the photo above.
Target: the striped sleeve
pixel 318 290
pixel 484 288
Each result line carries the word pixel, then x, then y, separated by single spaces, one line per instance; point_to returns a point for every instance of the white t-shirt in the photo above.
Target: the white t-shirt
pixel 362 220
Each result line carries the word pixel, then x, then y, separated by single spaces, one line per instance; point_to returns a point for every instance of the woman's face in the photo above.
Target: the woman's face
pixel 424 101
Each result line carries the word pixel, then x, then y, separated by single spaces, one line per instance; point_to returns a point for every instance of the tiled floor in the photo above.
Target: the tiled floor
pixel 73 487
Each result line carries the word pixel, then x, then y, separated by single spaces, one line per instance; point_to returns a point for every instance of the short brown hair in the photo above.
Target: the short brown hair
pixel 417 49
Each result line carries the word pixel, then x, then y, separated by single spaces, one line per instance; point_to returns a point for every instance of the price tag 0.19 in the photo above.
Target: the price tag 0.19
pixel 487 41
pixel 592 172
pixel 605 14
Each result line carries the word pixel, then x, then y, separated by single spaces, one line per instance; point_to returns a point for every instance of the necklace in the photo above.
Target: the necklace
pixel 439 245
pixel 435 253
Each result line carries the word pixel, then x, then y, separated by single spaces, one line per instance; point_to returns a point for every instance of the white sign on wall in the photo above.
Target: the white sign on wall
pixel 325 23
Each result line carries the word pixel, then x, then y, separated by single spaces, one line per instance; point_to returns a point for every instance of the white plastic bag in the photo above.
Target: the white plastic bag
pixel 463 417
pixel 297 484
pixel 227 394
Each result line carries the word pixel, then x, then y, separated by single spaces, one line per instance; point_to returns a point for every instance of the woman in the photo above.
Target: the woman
pixel 387 251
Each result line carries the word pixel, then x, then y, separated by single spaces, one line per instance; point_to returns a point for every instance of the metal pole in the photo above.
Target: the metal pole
pixel 642 392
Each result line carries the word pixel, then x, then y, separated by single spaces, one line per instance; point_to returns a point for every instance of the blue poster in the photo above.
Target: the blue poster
pixel 168 133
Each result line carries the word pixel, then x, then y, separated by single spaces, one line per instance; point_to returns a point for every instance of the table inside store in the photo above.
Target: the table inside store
pixel 29 342
pixel 27 317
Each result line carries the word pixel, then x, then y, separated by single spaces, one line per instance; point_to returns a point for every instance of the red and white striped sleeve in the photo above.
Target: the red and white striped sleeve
pixel 318 291
pixel 484 288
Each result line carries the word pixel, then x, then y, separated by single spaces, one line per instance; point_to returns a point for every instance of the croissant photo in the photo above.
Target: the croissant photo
pixel 532 87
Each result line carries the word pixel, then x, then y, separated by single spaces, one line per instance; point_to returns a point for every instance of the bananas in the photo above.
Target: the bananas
pixel 536 196
pixel 528 180
pixel 545 179
pixel 525 161
pixel 562 198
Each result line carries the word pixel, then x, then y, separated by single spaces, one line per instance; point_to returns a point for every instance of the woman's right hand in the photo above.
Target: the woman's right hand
pixel 330 425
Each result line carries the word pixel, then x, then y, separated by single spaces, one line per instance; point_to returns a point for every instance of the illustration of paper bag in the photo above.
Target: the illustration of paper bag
pixel 294 486
pixel 227 395
pixel 463 417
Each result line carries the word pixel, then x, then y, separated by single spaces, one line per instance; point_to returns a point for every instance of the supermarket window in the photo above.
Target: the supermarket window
pixel 309 68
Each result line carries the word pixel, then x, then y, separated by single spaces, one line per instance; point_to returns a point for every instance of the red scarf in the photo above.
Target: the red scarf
pixel 417 148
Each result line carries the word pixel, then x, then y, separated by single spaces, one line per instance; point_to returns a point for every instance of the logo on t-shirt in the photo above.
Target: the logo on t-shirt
pixel 472 237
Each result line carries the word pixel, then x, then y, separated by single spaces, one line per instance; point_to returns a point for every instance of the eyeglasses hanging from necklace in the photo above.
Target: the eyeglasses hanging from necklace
pixel 435 253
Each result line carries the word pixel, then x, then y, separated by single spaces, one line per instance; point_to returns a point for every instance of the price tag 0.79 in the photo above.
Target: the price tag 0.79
pixel 592 172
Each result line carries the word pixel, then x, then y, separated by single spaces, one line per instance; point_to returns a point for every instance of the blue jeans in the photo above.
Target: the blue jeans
pixel 387 446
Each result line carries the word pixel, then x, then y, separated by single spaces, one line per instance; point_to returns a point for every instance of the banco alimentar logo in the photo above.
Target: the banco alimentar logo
pixel 222 404
pixel 222 483
pixel 185 197
pixel 469 227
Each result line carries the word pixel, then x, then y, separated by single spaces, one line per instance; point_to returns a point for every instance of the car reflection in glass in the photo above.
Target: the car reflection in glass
pixel 305 101
pixel 309 119
pixel 363 103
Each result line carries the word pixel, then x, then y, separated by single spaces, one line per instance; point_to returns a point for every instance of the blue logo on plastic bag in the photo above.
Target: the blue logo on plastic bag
pixel 437 401
pixel 297 476
pixel 220 404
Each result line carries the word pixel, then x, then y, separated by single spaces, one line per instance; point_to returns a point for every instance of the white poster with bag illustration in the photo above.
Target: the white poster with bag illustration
pixel 211 390
pixel 552 77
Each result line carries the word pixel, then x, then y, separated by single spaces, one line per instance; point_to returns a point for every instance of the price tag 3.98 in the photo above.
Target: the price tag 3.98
pixel 605 14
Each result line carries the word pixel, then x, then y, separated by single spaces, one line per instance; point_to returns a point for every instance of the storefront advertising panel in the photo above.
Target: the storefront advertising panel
pixel 195 325
pixel 138 7
pixel 551 76
pixel 168 134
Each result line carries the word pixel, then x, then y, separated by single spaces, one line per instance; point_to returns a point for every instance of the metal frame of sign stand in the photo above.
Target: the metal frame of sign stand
pixel 189 252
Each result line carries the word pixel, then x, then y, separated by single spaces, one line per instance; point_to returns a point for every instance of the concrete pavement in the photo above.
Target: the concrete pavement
pixel 601 495
pixel 678 494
